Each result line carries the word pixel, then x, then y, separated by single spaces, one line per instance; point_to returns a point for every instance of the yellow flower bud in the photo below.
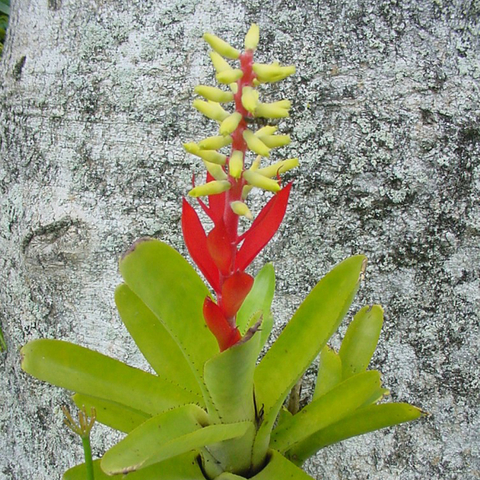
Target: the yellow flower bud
pixel 252 37
pixel 229 76
pixel 273 72
pixel 209 155
pixel 214 94
pixel 235 164
pixel 246 190
pixel 271 110
pixel 256 163
pixel 216 142
pixel 278 168
pixel 212 156
pixel 212 110
pixel 216 171
pixel 191 147
pixel 255 144
pixel 249 99
pixel 219 63
pixel 230 123
pixel 257 180
pixel 221 46
pixel 210 188
pixel 241 209
pixel 267 130
pixel 273 141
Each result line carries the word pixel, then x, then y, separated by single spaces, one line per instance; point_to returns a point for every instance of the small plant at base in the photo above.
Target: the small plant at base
pixel 210 411
pixel 82 429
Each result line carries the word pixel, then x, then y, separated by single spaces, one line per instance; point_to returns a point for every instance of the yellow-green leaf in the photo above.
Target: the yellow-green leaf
pixel 361 340
pixel 153 340
pixel 363 420
pixel 325 410
pixel 84 371
pixel 182 467
pixel 329 371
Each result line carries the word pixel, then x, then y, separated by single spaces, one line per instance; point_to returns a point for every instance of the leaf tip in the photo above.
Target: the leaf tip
pixel 134 246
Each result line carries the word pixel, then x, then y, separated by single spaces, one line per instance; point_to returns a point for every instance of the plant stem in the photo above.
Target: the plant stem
pixel 88 457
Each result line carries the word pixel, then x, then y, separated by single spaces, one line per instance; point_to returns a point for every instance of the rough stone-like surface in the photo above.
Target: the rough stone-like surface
pixel 95 104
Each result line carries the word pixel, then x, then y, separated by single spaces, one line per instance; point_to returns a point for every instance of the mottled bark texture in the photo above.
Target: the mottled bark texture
pixel 95 104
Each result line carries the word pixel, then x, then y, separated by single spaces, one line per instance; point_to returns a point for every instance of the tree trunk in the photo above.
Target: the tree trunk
pixel 96 103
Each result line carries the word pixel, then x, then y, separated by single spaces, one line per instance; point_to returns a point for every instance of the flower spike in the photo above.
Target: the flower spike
pixel 222 254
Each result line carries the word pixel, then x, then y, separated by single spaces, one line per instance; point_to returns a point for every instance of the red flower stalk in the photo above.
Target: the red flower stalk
pixel 223 254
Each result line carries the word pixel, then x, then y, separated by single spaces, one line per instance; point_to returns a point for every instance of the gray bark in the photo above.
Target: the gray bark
pixel 96 102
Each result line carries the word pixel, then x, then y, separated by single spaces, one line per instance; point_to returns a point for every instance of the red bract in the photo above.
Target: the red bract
pixel 225 334
pixel 196 242
pixel 234 291
pixel 221 261
pixel 263 228
pixel 221 248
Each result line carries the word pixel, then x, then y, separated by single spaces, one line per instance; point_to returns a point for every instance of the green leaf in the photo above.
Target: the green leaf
pixel 363 420
pixel 277 468
pixel 84 371
pixel 229 379
pixel 80 473
pixel 4 8
pixel 280 468
pixel 329 371
pixel 361 340
pixel 182 467
pixel 259 298
pixel 173 291
pixel 327 409
pixel 112 414
pixel 229 476
pixel 153 340
pixel 165 436
pixel 3 345
pixel 303 338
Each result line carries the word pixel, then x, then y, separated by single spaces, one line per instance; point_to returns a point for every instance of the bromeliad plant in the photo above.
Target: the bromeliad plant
pixel 210 411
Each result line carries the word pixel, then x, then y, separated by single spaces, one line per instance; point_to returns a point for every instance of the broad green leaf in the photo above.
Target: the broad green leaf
pixel 361 340
pixel 229 379
pixel 301 341
pixel 153 340
pixel 84 371
pixel 229 476
pixel 116 416
pixel 283 416
pixel 4 8
pixel 259 298
pixel 325 410
pixel 277 468
pixel 378 395
pixel 80 473
pixel 329 371
pixel 280 468
pixel 363 420
pixel 165 436
pixel 173 291
pixel 182 467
